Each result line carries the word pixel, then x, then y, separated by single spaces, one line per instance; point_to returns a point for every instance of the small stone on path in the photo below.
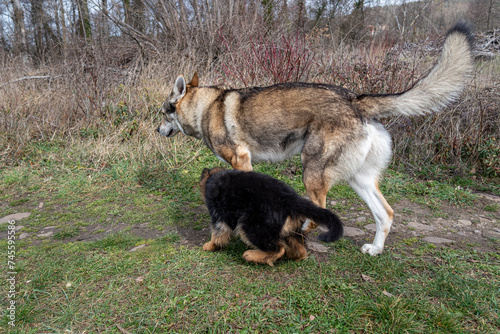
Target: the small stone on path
pixel 360 220
pixel 490 197
pixel 420 227
pixel 465 222
pixel 484 220
pixel 316 246
pixel 491 234
pixel 371 227
pixel 44 235
pixel 352 231
pixel 23 236
pixel 15 216
pixel 437 240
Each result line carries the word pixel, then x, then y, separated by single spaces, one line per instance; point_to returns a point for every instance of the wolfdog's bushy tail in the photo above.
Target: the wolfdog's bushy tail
pixel 441 86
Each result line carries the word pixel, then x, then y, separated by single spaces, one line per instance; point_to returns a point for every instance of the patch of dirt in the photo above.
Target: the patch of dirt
pixel 95 232
pixel 194 237
pixel 291 171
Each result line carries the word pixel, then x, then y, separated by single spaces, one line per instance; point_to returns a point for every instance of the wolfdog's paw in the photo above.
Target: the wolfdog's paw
pixel 371 249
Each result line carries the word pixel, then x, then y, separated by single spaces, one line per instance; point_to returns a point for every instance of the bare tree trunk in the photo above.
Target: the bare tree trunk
pixel 37 19
pixel 182 12
pixel 84 27
pixel 268 7
pixel 134 14
pixel 231 10
pixel 488 20
pixel 20 44
pixel 104 20
pixel 301 13
pixel 197 14
pixel 127 12
pixel 3 41
pixel 138 17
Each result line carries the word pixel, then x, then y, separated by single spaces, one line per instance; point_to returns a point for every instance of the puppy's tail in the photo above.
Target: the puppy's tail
pixel 322 217
pixel 441 86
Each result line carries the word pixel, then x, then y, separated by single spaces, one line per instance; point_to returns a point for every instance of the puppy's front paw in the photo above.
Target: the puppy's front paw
pixel 210 247
pixel 371 249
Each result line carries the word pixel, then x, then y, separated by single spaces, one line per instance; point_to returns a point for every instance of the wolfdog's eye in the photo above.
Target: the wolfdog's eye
pixel 170 107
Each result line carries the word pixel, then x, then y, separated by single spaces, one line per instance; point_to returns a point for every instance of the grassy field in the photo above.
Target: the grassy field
pixel 113 220
pixel 89 277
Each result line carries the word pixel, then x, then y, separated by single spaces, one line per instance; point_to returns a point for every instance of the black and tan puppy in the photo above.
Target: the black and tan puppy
pixel 266 213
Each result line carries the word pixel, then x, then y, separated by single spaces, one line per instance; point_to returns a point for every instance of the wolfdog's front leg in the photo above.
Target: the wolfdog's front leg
pixel 239 158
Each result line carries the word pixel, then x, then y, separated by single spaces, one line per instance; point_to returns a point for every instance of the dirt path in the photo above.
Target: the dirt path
pixel 476 227
pixel 470 227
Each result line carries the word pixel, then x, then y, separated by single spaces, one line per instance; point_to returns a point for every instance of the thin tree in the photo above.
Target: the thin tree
pixel 134 11
pixel 84 26
pixel 20 44
pixel 268 6
pixel 37 21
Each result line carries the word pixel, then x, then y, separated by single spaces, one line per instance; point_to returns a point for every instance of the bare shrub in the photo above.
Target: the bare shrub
pixel 266 62
pixel 463 137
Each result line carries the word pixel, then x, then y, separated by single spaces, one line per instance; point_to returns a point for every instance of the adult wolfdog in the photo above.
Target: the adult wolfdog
pixel 335 131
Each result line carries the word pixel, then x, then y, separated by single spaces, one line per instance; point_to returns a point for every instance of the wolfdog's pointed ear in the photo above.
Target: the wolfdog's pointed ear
pixel 179 88
pixel 194 80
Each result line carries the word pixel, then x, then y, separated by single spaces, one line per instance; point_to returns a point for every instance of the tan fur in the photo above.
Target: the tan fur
pixel 239 232
pixel 258 256
pixel 221 235
pixel 295 250
pixel 204 177
pixel 290 226
pixel 333 129
pixel 388 209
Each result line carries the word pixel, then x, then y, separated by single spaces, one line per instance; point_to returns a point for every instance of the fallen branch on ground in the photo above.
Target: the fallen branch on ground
pixel 32 77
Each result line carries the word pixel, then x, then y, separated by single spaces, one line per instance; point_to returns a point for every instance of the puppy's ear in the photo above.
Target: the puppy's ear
pixel 194 80
pixel 179 89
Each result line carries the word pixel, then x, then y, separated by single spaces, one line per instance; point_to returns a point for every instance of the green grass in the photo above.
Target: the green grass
pixel 168 286
pixel 492 207
pixel 67 232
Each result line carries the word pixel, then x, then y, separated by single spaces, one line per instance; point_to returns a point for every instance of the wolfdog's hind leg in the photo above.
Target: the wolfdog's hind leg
pixel 381 210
